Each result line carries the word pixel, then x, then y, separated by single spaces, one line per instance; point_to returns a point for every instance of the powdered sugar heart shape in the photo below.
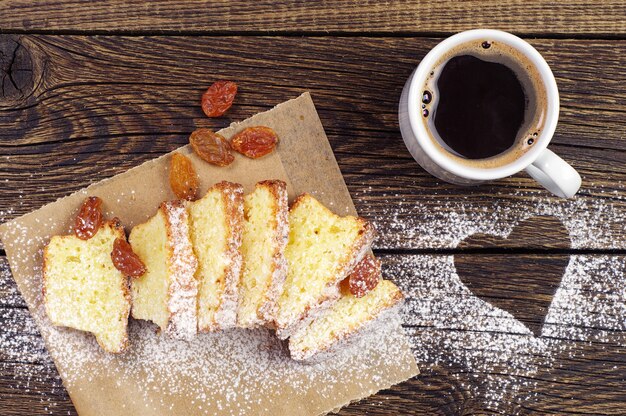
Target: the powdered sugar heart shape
pixel 520 273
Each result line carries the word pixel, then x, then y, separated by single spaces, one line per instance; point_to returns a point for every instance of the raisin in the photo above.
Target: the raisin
pixel 211 147
pixel 89 218
pixel 365 276
pixel 183 178
pixel 125 260
pixel 218 98
pixel 255 142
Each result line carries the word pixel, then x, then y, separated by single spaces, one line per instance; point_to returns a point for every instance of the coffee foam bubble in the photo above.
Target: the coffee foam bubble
pixel 534 89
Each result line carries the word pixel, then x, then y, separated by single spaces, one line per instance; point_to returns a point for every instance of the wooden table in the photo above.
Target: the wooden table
pixel 89 90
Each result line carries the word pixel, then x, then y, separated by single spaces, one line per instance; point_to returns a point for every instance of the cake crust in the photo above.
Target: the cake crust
pixel 226 315
pixel 217 237
pixel 279 223
pixel 267 310
pixel 182 265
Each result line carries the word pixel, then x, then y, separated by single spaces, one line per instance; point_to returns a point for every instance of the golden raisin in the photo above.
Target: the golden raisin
pixel 255 142
pixel 218 98
pixel 365 276
pixel 211 147
pixel 89 218
pixel 125 260
pixel 183 178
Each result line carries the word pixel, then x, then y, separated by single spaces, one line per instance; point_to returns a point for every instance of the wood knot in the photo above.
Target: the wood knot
pixel 19 72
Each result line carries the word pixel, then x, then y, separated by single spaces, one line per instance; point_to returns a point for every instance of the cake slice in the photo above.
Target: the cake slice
pixel 216 231
pixel 82 289
pixel 346 317
pixel 167 293
pixel 265 233
pixel 322 249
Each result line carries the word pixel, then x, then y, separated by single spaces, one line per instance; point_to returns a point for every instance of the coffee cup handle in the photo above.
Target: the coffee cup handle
pixel 555 174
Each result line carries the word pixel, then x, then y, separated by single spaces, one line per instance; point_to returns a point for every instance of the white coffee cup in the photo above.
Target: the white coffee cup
pixel 540 163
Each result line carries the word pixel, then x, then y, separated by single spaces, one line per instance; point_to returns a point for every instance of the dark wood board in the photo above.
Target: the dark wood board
pixel 95 106
pixel 75 109
pixel 571 17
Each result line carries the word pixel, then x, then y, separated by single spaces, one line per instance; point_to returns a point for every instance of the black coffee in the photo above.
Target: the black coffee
pixel 480 107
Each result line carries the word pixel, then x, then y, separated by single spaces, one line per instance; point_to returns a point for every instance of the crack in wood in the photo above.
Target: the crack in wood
pixel 16 71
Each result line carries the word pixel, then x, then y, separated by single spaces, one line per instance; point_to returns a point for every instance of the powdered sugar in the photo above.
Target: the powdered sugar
pixel 183 289
pixel 267 310
pixel 231 371
pixel 9 295
pixel 452 328
pixel 590 305
pixel 457 328
pixel 449 326
pixel 592 224
pixel 226 315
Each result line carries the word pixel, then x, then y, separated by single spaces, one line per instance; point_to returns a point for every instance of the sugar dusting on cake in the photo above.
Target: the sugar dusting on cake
pixel 268 309
pixel 183 288
pixel 226 315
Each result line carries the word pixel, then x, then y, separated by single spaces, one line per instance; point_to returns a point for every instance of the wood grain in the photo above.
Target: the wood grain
pixel 32 389
pixel 98 105
pixel 222 16
pixel 76 109
pixel 585 377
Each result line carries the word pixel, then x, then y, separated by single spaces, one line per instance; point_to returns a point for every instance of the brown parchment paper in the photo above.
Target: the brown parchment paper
pixel 234 372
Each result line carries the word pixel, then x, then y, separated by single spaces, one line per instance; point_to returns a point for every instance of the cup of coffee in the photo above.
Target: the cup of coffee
pixel 483 105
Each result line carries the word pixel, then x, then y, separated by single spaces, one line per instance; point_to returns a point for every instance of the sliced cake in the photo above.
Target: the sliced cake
pixel 82 289
pixel 216 232
pixel 322 249
pixel 346 317
pixel 167 293
pixel 265 233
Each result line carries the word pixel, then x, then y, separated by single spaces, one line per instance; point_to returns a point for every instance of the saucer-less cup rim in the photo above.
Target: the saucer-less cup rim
pixel 415 112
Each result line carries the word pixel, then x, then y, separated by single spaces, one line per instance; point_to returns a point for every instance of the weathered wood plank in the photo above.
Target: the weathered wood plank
pixel 569 17
pixel 356 75
pixel 96 106
pixel 32 389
